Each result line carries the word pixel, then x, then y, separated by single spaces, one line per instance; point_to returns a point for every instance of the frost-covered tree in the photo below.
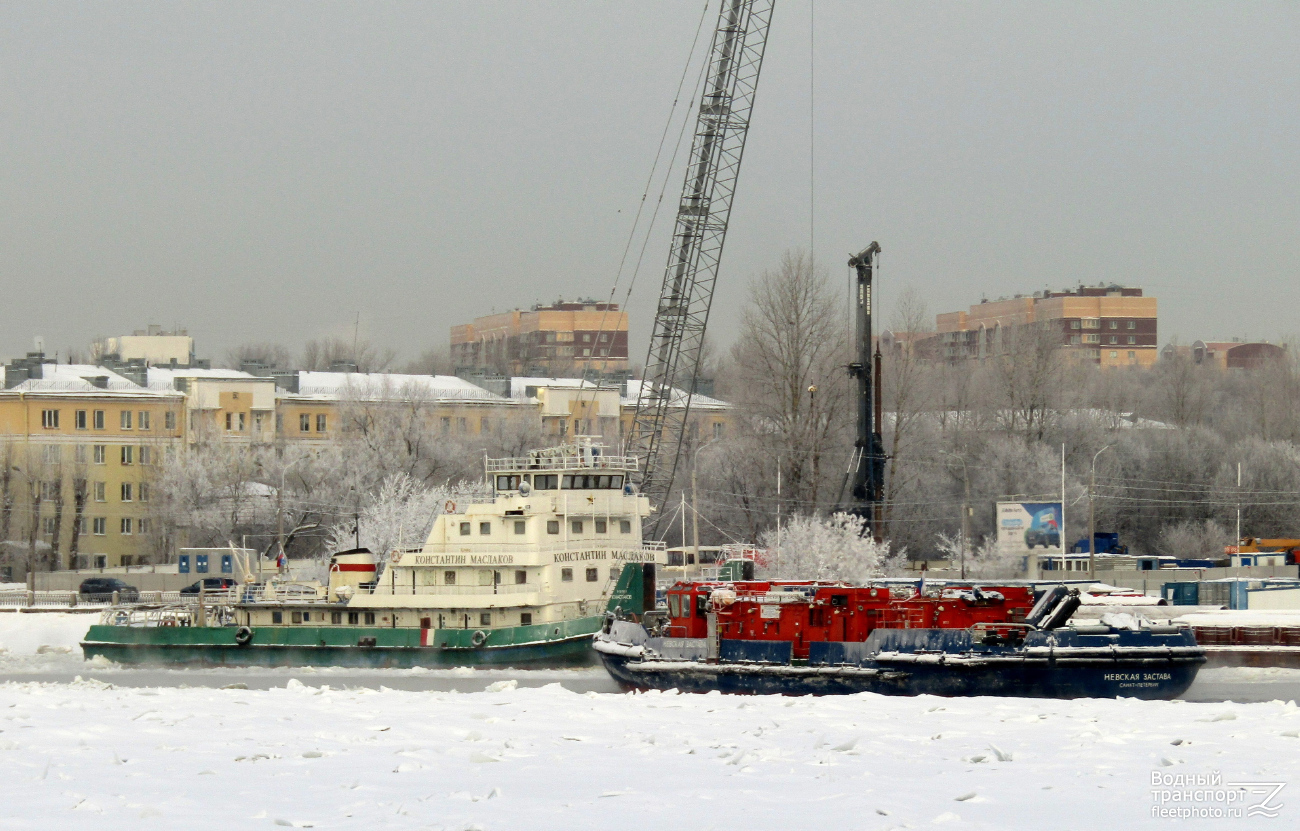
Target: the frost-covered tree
pixel 827 548
pixel 399 516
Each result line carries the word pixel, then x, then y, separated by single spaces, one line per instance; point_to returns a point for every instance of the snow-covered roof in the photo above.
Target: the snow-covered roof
pixel 636 389
pixel 333 386
pixel 628 392
pixel 76 378
pixel 164 378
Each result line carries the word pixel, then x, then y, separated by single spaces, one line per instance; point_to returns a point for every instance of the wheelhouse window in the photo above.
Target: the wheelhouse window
pixel 566 575
pixel 591 481
pixel 508 482
pixel 546 481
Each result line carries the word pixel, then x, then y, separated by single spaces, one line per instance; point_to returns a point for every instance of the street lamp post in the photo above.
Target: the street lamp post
pixel 965 510
pixel 1092 515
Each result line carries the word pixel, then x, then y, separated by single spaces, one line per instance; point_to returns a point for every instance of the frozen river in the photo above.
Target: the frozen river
pixel 119 748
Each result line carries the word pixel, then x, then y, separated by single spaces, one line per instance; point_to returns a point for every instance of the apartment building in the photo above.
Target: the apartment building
pixel 562 338
pixel 82 449
pixel 1108 325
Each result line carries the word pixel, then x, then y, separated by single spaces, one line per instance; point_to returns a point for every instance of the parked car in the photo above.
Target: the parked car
pixel 101 589
pixel 209 584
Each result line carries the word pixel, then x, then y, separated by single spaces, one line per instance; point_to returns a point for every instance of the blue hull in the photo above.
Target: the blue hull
pixel 1059 664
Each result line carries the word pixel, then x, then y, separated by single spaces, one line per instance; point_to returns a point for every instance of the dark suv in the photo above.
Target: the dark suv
pixel 100 589
pixel 209 584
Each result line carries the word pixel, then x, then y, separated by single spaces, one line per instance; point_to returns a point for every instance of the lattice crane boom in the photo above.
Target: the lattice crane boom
pixel 682 315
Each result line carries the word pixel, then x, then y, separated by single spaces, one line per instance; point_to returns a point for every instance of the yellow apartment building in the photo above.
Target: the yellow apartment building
pixel 318 405
pixel 82 448
pixel 222 404
pixel 1107 325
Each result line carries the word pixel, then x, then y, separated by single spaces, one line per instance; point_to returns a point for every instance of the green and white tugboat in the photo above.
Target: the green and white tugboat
pixel 522 576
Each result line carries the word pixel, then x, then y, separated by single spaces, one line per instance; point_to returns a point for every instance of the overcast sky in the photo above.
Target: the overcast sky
pixel 267 171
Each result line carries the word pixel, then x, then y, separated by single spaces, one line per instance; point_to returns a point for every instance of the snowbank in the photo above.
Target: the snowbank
pixel 91 756
pixel 25 633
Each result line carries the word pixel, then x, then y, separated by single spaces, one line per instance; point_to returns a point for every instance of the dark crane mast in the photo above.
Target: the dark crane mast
pixel 673 360
pixel 868 468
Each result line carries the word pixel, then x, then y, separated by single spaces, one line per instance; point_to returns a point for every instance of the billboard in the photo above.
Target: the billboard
pixel 1027 527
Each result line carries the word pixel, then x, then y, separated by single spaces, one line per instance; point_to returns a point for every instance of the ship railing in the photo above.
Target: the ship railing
pixel 524 464
pixel 573 546
pixel 167 615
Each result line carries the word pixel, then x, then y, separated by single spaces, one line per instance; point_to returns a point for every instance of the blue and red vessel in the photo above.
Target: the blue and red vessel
pixel 818 638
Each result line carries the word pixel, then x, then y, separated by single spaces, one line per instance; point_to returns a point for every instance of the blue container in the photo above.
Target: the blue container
pixel 1181 594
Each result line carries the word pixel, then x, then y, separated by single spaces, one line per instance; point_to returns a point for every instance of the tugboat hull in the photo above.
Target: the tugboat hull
pixel 1143 665
pixel 560 644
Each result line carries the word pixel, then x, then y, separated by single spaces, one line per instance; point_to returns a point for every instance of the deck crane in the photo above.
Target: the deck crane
pixel 673 360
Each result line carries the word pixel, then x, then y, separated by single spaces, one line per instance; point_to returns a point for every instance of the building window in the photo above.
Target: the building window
pixel 1114 354
pixel 593 574
pixel 485 619
pixel 169 420
pixel 1092 338
pixel 1074 339
pixel 600 526
pixel 143 421
pixel 50 491
pixel 462 424
pixel 101 492
pixel 81 454
pixel 1114 324
pixel 126 525
pixel 142 525
pixel 1132 356
pixel 464 529
pixel 241 422
pixel 485 425
pixel 566 575
pixel 1091 323
pixel 521 577
pixel 485 528
pixel 128 454
pixel 521 526
pixel 51 454
pixel 320 422
pixel 97 419
pixel 142 491
pixel 229 419
pixel 101 454
pixel 125 418
pixel 146 454
pixel 99 526
pixel 1114 339
pixel 126 492
pixel 1132 324
pixel 552 526
pixel 49 418
pixel 525 618
pixel 576 526
pixel 79 420
pixel 1074 324
pixel 625 526
pixel 1132 339
pixel 304 423
pixel 449 578
pixel 446 424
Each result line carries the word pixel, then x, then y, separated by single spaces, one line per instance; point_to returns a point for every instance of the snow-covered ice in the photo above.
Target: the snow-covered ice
pixel 306 753
pixel 89 755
